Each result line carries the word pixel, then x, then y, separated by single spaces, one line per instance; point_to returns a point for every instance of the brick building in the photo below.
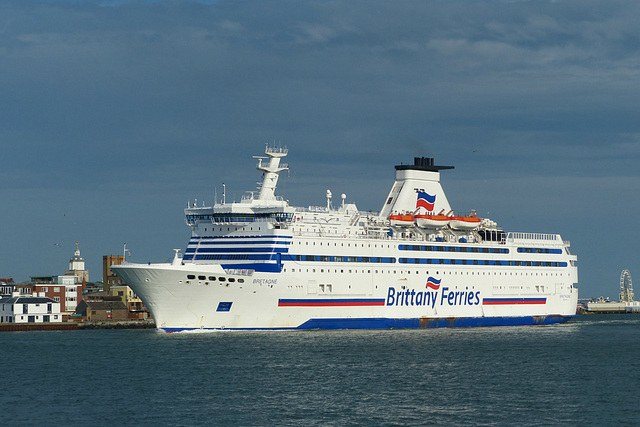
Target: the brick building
pixel 134 304
pixel 108 278
pixel 62 289
pixel 107 309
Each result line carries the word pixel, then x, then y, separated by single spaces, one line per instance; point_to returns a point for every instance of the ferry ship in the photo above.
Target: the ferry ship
pixel 262 264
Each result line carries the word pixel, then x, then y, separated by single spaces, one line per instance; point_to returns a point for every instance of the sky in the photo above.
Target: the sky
pixel 115 114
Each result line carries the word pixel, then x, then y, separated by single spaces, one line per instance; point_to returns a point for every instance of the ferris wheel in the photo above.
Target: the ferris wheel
pixel 626 287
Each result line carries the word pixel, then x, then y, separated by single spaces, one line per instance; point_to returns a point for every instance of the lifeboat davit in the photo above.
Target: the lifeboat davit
pixel 465 223
pixel 433 222
pixel 401 220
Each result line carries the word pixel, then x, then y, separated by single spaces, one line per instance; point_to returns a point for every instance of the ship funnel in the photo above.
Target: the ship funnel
pixel 417 189
pixel 423 161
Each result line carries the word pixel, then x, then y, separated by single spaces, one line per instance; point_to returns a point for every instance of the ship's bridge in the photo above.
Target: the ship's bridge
pixel 238 213
pixel 266 207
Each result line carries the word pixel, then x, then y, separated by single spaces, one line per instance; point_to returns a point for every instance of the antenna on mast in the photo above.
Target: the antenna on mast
pixel 125 252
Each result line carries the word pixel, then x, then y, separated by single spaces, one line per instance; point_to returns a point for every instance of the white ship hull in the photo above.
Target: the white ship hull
pixel 395 296
pixel 254 272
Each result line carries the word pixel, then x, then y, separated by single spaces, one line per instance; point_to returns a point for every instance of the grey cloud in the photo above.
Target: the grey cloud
pixel 178 95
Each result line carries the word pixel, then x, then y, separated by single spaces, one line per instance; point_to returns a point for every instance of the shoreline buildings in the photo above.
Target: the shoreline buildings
pixel 53 299
pixel 45 298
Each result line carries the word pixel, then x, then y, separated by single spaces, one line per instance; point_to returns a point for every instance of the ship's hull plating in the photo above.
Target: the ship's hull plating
pixel 192 297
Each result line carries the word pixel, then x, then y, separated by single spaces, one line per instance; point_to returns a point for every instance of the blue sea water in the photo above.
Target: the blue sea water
pixel 583 372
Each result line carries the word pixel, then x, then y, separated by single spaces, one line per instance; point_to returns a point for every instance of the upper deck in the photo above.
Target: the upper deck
pixel 417 189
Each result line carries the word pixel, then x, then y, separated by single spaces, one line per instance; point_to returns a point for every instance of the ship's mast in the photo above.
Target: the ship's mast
pixel 271 171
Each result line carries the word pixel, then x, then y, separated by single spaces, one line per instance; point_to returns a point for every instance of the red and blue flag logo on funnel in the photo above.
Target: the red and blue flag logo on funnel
pixel 425 200
pixel 433 283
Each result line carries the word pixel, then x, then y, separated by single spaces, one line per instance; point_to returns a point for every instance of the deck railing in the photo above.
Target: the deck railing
pixel 540 237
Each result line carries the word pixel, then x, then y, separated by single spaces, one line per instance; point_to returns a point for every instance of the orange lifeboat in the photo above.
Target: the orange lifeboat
pixel 464 223
pixel 433 222
pixel 405 220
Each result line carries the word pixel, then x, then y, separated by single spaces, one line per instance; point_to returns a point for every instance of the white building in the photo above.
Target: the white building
pixel 29 309
pixel 76 267
pixel 70 284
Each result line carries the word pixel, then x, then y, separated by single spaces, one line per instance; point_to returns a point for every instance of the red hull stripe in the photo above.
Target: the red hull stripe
pixel 351 302
pixel 513 301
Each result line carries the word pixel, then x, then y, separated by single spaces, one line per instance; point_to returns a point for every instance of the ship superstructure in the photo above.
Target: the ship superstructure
pixel 263 264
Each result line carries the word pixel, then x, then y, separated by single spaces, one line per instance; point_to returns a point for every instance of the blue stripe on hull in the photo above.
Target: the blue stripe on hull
pixel 260 267
pixel 451 322
pixel 386 323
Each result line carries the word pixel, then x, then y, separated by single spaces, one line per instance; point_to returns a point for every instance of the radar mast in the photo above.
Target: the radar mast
pixel 271 171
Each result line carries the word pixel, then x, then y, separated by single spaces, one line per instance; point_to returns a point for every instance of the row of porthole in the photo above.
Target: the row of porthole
pixel 213 278
pixel 355 245
pixel 313 270
pixel 229 229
